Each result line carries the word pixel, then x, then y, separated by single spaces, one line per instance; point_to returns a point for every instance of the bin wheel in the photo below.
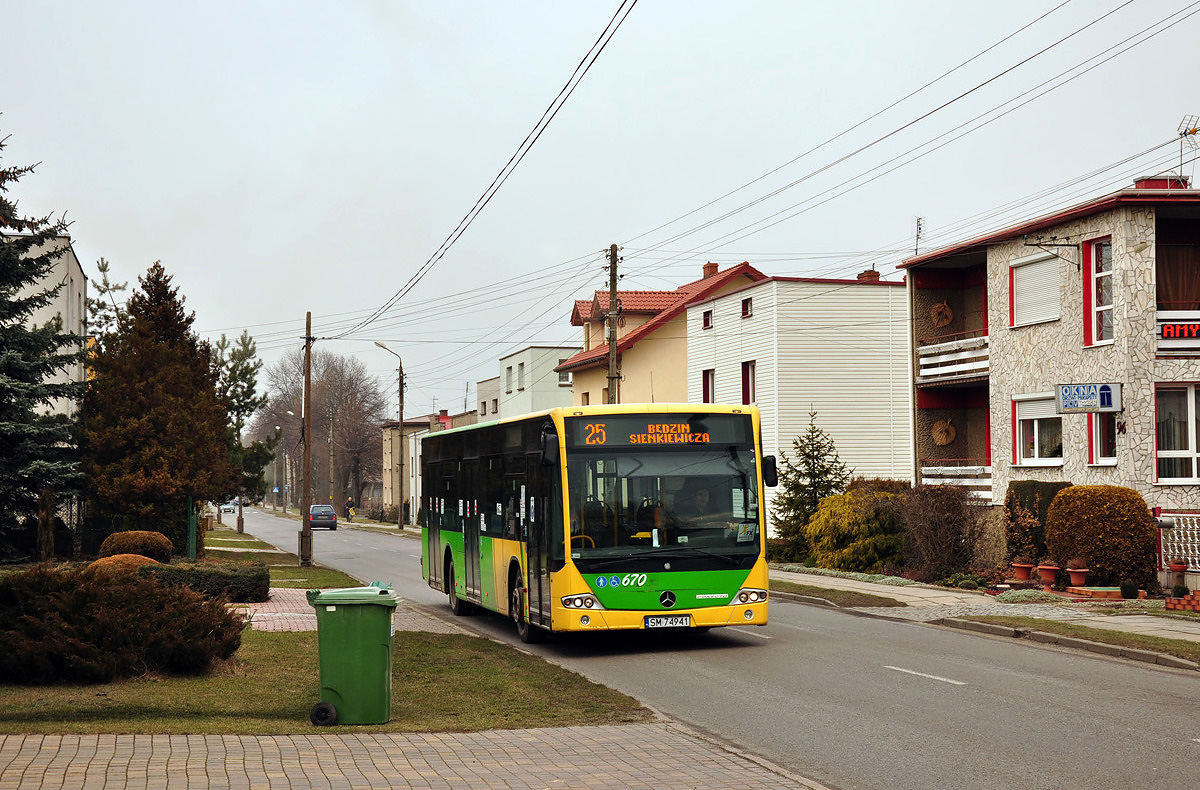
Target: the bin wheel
pixel 323 714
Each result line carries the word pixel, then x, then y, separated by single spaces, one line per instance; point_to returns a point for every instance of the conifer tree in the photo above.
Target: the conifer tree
pixel 156 428
pixel 37 447
pixel 812 472
pixel 237 383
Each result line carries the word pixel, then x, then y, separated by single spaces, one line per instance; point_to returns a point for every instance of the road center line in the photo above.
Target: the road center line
pixel 923 675
pixel 752 633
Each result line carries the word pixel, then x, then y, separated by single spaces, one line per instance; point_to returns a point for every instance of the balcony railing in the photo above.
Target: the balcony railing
pixel 973 474
pixel 952 357
pixel 1178 331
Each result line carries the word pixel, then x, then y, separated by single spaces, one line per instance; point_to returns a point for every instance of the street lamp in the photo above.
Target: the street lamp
pixel 399 489
pixel 287 473
pixel 275 500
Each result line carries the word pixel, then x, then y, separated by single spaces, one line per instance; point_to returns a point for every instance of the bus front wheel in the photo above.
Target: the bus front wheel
pixel 529 633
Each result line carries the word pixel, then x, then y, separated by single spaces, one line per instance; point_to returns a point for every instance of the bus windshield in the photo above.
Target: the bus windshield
pixel 696 505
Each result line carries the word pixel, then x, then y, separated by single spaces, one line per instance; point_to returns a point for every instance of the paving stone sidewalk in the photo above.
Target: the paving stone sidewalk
pixel 289 610
pixel 655 755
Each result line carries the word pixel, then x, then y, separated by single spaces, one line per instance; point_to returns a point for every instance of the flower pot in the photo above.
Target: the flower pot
pixel 1178 567
pixel 1022 572
pixel 1078 576
pixel 1047 573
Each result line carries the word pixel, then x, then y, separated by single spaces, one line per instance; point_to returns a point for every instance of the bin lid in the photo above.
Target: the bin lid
pixel 380 596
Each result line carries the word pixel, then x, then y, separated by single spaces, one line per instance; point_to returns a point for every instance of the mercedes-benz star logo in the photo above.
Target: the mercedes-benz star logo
pixel 667 599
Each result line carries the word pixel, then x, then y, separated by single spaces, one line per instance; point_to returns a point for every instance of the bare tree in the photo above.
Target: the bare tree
pixel 348 408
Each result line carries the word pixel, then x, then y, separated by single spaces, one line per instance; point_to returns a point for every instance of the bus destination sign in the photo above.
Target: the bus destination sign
pixel 655 429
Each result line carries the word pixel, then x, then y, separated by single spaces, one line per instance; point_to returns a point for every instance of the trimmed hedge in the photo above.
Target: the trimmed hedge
pixel 240 582
pixel 1109 526
pixel 118 565
pixel 154 545
pixel 72 626
pixel 1026 536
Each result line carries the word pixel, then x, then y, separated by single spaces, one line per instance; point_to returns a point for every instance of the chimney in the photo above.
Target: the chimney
pixel 870 275
pixel 710 269
pixel 1164 181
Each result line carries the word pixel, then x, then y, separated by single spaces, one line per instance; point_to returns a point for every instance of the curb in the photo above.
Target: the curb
pixel 1043 637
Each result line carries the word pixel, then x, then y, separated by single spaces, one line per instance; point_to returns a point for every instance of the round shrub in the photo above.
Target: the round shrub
pixel 118 565
pixel 1111 526
pixel 855 531
pixel 154 545
pixel 72 626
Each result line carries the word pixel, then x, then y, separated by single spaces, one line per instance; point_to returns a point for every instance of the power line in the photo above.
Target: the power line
pixel 526 145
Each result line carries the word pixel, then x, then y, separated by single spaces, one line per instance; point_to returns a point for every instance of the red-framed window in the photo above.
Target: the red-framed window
pixel 706 320
pixel 1097 292
pixel 708 386
pixel 748 382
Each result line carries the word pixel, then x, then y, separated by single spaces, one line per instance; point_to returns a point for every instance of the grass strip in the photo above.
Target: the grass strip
pixel 311 577
pixel 834 596
pixel 440 683
pixel 1180 648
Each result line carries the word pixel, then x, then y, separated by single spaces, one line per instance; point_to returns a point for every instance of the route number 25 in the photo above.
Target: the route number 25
pixel 595 433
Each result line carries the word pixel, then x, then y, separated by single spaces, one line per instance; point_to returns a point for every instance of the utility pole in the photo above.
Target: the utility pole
pixel 331 477
pixel 614 310
pixel 399 451
pixel 306 472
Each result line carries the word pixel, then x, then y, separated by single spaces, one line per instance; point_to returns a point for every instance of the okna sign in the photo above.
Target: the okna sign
pixel 1072 398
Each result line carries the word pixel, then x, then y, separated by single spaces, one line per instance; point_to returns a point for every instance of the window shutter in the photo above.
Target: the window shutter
pixel 1036 409
pixel 1036 291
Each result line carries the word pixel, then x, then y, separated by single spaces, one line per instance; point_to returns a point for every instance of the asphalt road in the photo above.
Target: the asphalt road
pixel 859 702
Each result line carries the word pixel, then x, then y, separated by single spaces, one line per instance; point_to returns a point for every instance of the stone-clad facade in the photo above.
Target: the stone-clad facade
pixel 972 373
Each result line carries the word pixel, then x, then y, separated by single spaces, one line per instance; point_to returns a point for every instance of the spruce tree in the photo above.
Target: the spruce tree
pixel 237 383
pixel 156 427
pixel 812 472
pixel 37 447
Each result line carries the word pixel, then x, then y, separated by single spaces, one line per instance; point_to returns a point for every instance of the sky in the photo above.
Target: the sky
pixel 302 156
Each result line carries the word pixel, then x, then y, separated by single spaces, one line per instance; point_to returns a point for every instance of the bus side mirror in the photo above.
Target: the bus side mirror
pixel 549 448
pixel 770 472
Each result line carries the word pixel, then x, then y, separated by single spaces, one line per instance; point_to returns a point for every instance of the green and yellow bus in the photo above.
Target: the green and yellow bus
pixel 594 518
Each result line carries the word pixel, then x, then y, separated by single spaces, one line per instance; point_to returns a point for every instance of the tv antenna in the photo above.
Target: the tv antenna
pixel 1187 135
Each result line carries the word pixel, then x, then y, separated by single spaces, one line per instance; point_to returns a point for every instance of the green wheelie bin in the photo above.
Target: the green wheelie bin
pixel 354 644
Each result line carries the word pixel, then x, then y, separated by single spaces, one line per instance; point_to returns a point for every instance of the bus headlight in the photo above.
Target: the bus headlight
pixel 581 602
pixel 751 595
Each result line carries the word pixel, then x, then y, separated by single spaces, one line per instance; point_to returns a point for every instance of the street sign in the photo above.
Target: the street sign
pixel 1072 398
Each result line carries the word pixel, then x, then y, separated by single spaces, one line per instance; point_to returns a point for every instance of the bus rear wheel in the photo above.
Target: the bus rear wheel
pixel 460 607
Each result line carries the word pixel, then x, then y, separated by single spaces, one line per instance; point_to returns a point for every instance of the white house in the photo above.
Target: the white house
pixel 528 381
pixel 70 303
pixel 795 345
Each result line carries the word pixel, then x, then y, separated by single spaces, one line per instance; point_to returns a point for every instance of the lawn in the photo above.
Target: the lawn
pixel 834 596
pixel 1180 648
pixel 440 683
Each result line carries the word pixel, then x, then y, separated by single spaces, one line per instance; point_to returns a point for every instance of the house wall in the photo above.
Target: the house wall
pixel 1036 358
pixel 542 388
pixel 654 371
pixel 70 303
pixel 487 391
pixel 837 349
